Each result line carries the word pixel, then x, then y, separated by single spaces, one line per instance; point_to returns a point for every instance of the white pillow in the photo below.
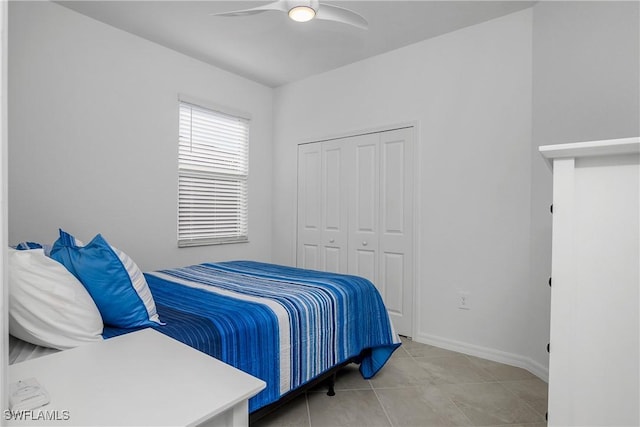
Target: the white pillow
pixel 48 306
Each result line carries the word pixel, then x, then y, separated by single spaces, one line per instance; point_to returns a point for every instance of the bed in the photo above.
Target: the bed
pixel 284 325
pixel 287 326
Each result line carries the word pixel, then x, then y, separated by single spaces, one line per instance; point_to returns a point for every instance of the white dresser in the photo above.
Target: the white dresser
pixel 138 379
pixel 594 375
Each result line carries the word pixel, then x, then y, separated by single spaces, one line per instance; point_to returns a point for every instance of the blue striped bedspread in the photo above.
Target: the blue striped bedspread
pixel 281 324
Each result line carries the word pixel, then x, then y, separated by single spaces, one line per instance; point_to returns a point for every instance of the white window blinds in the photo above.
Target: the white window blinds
pixel 213 167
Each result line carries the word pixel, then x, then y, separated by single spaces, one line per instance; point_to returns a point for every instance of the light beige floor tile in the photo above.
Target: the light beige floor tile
pixel 294 413
pixel 500 371
pixel 429 351
pixel 529 425
pixel 471 391
pixel 487 404
pixel 400 372
pixel 420 406
pixel 355 408
pixel 350 378
pixel 409 344
pixel 452 370
pixel 417 349
pixel 533 391
pixel 400 352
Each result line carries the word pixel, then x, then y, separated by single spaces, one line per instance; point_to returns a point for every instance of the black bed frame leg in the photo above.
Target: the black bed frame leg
pixel 332 383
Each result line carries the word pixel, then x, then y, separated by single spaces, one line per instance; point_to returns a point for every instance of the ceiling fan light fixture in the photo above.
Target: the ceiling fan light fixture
pixel 302 13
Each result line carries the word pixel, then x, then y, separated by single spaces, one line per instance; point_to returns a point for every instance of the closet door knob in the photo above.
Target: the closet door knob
pixel 332 240
pixel 364 243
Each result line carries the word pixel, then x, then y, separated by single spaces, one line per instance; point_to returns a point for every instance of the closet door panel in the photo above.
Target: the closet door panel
pixel 366 265
pixel 309 256
pixel 396 226
pixel 364 207
pixel 331 194
pixel 334 209
pixel 309 202
pixel 393 188
pixel 393 274
pixel 332 261
pixel 366 187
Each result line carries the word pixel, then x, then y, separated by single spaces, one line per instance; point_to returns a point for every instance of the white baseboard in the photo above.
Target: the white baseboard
pixel 517 360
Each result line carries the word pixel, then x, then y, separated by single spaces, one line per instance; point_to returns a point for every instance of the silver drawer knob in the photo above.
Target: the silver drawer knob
pixel 364 243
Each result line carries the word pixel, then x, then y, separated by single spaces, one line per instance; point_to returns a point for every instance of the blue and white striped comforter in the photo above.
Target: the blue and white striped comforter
pixel 281 324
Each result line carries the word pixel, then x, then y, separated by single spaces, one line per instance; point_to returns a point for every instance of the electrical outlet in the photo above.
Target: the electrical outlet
pixel 464 302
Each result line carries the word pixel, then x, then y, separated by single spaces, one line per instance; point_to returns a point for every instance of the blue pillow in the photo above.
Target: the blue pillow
pixel 25 246
pixel 113 280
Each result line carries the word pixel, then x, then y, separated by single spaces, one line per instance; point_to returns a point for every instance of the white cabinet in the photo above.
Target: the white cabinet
pixel 594 375
pixel 355 213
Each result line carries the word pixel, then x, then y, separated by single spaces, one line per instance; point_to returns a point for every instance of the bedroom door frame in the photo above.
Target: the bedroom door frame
pixel 416 211
pixel 4 295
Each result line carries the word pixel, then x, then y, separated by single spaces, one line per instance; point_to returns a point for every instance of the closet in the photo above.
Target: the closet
pixel 594 350
pixel 355 213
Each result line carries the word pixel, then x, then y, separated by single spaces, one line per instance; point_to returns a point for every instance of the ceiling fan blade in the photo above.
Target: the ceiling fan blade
pixel 329 12
pixel 277 5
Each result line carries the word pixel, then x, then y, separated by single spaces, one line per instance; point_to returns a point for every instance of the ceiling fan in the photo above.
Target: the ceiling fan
pixel 306 10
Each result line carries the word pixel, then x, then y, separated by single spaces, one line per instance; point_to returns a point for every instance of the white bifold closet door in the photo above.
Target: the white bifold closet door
pixel 322 208
pixel 355 207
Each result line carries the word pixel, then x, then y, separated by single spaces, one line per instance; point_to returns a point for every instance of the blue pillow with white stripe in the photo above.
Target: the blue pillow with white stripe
pixel 25 246
pixel 113 280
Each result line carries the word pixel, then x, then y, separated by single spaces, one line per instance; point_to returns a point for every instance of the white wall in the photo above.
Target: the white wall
pixel 586 86
pixel 470 93
pixel 93 137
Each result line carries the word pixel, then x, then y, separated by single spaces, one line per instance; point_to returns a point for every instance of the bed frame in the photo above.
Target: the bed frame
pixel 329 377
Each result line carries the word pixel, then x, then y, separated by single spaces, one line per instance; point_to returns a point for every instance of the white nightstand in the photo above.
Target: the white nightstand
pixel 140 379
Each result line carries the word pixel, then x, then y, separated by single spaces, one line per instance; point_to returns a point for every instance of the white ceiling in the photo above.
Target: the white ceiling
pixel 270 48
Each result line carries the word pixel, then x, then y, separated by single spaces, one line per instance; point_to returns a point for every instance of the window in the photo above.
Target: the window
pixel 213 167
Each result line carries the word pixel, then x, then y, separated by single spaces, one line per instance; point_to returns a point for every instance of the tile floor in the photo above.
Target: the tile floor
pixel 424 386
